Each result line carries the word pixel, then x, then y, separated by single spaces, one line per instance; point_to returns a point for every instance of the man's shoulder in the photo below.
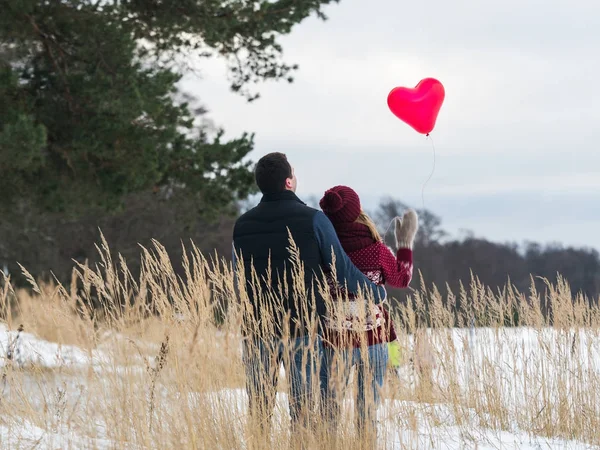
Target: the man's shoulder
pixel 261 213
pixel 309 209
pixel 257 211
pixel 320 219
pixel 308 214
pixel 246 214
pixel 245 217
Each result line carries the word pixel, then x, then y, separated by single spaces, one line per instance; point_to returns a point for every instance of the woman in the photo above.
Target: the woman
pixel 357 335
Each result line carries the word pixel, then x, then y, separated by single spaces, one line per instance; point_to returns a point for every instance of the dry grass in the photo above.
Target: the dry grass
pixel 165 373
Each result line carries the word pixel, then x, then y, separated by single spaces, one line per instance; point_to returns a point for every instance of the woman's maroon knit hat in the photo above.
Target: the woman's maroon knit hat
pixel 341 204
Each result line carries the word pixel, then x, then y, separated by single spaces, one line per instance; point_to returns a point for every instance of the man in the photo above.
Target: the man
pixel 283 296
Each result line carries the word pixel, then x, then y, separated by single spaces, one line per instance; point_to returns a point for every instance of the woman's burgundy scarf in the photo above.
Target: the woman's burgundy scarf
pixel 353 236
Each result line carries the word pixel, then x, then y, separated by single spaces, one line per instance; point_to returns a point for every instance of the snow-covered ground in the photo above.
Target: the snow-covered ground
pixel 436 427
pixel 520 356
pixel 26 350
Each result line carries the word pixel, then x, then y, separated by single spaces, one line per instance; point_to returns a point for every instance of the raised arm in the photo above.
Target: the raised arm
pixel 347 273
pixel 397 270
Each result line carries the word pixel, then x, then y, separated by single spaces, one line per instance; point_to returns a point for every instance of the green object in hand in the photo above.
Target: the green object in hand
pixel 394 354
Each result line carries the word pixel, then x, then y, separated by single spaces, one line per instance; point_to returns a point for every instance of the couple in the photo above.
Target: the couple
pixel 342 243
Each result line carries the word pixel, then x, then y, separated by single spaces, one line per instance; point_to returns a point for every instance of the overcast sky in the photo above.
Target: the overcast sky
pixel 517 139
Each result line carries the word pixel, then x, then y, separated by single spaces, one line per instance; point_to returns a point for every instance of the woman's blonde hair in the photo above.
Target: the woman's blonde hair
pixel 364 219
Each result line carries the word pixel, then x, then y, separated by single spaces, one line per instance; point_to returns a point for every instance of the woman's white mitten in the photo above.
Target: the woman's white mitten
pixel 406 229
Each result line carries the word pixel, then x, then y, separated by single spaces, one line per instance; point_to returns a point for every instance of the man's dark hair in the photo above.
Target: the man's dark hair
pixel 271 172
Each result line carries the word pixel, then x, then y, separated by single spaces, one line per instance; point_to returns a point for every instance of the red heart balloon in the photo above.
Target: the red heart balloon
pixel 418 106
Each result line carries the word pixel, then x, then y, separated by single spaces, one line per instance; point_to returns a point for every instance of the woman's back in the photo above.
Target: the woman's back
pixel 363 244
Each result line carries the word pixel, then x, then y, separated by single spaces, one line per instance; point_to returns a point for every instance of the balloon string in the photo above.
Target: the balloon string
pixel 388 227
pixel 430 175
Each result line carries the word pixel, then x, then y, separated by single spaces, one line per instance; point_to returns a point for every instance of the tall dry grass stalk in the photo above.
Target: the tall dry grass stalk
pixel 163 366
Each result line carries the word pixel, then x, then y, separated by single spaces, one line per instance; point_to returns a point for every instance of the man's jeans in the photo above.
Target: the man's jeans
pixel 262 359
pixel 371 369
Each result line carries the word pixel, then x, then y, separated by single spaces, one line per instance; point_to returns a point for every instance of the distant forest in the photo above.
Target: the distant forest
pixel 446 261
pixel 47 244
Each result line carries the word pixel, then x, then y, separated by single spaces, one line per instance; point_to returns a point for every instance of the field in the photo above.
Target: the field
pixel 128 373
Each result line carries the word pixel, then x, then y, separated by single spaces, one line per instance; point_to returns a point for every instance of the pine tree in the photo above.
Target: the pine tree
pixel 88 97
